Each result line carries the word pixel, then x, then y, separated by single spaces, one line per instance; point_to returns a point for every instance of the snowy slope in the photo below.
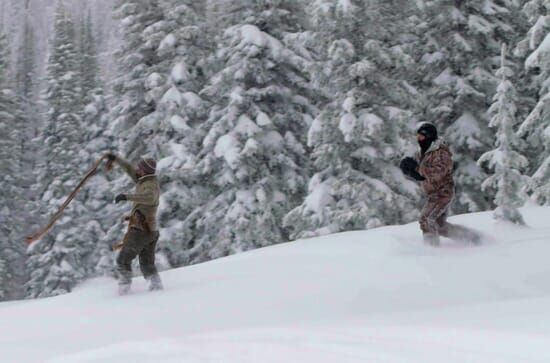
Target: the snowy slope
pixel 373 296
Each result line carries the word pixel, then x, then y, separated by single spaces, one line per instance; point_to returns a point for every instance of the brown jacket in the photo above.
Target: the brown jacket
pixel 145 198
pixel 437 167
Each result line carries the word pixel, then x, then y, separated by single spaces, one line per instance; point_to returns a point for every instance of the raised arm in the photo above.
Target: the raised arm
pixel 125 165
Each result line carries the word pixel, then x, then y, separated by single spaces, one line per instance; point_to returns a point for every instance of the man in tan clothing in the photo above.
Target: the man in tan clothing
pixel 433 166
pixel 142 236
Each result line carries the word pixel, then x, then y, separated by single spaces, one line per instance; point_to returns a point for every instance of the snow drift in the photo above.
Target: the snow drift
pixel 368 296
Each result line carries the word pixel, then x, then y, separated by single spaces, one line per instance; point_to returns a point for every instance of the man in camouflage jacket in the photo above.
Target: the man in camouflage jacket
pixel 142 236
pixel 433 166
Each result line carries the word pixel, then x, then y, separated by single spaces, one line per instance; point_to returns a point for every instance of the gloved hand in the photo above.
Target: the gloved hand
pixel 416 175
pixel 121 197
pixel 407 165
pixel 111 156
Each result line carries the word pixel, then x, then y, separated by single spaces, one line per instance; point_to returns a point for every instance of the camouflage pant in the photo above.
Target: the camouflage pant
pixel 433 220
pixel 142 244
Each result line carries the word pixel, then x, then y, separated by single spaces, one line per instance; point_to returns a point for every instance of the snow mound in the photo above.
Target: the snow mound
pixel 366 296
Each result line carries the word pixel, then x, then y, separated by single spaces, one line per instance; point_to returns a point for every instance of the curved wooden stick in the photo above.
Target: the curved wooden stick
pixel 55 217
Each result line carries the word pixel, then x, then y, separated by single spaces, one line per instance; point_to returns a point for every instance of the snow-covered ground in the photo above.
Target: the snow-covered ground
pixel 373 296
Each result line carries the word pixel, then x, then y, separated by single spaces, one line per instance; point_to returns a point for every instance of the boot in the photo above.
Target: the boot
pixel 461 233
pixel 431 239
pixel 124 282
pixel 475 238
pixel 155 284
pixel 124 289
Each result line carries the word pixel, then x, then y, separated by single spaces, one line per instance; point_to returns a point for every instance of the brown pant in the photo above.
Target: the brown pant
pixel 142 244
pixel 433 220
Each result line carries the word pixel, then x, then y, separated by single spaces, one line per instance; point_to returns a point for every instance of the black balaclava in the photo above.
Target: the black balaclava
pixel 430 133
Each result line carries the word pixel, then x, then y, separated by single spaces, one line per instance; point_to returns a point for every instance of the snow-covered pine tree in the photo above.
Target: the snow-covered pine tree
pixel 56 261
pixel 12 200
pixel 99 225
pixel 4 60
pixel 26 64
pixel 139 127
pixel 363 129
pixel 3 278
pixel 184 47
pixel 11 26
pixel 7 166
pixel 89 67
pixel 138 72
pixel 253 158
pixel 102 224
pixel 505 161
pixel 458 43
pixel 26 82
pixel 535 128
pixel 13 204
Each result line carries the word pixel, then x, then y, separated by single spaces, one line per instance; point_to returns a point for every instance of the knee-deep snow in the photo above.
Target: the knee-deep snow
pixel 369 296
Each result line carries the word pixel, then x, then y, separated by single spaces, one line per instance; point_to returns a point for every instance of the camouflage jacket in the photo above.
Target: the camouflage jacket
pixel 437 167
pixel 145 199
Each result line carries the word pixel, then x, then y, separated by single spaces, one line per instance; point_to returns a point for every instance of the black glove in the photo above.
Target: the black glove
pixel 407 165
pixel 121 197
pixel 416 175
pixel 111 156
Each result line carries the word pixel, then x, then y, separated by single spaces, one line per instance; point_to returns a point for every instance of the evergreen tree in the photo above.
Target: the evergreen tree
pixel 3 280
pixel 26 67
pixel 139 128
pixel 459 39
pixel 12 200
pixel 11 26
pixel 175 141
pixel 4 60
pixel 25 86
pixel 137 74
pixel 89 67
pixel 535 127
pixel 97 225
pixel 504 160
pixel 13 203
pixel 253 158
pixel 100 213
pixel 56 261
pixel 100 225
pixel 365 123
